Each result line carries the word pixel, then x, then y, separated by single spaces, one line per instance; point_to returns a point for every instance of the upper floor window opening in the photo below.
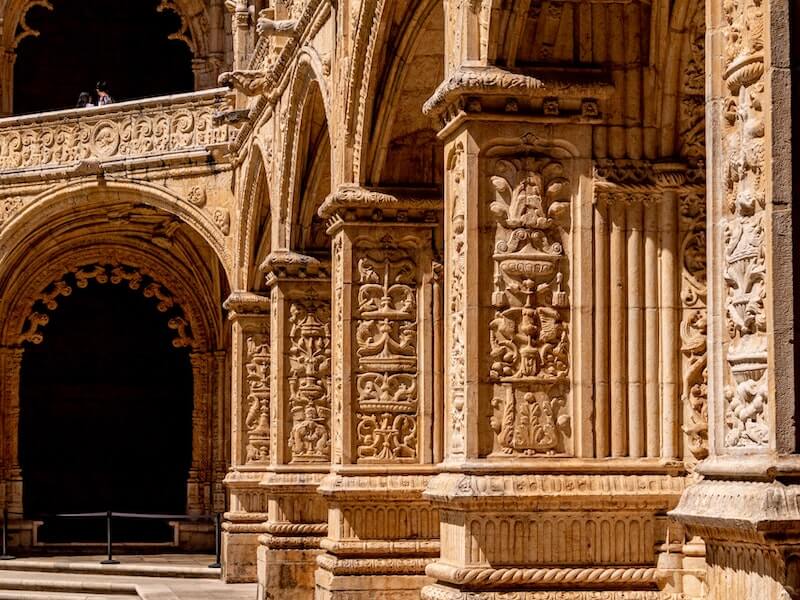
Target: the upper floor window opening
pixel 140 48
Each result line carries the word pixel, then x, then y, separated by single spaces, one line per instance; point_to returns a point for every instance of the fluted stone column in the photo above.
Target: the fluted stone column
pixel 250 404
pixel 381 531
pixel 746 507
pixel 300 425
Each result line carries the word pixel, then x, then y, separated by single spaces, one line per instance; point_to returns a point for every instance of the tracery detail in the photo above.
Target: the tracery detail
pixel 102 273
pixel 386 351
pixel 529 340
pixel 310 381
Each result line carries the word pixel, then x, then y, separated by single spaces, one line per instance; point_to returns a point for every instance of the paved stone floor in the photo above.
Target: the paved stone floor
pixel 147 577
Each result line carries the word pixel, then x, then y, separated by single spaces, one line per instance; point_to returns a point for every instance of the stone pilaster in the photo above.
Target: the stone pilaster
pixel 528 501
pixel 381 531
pixel 745 508
pixel 300 425
pixel 250 399
pixel 10 365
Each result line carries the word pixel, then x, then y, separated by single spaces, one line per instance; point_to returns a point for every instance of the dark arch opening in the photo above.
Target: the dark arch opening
pixel 122 42
pixel 105 416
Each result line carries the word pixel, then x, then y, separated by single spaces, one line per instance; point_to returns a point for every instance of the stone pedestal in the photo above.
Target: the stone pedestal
pixel 381 531
pixel 250 405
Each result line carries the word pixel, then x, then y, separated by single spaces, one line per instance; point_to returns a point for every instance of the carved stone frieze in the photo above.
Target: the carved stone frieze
pixel 146 128
pixel 529 334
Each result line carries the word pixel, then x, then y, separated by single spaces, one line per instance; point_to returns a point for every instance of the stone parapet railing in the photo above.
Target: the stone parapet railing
pixel 168 125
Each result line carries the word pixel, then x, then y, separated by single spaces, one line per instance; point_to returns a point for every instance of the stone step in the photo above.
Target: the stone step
pixel 33 583
pixel 129 570
pixel 24 595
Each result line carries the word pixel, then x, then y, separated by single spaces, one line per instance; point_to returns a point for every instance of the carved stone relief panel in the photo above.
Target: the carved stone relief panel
pixel 529 332
pixel 386 354
pixel 694 323
pixel 455 313
pixel 309 381
pixel 257 363
pixel 744 228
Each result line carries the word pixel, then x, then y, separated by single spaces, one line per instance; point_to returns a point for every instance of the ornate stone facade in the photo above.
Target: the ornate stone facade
pixel 506 317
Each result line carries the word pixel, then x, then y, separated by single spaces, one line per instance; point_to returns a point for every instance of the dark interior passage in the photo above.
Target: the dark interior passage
pixel 122 42
pixel 105 416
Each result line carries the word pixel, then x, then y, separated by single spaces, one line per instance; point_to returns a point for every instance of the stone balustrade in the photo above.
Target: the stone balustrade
pixel 169 125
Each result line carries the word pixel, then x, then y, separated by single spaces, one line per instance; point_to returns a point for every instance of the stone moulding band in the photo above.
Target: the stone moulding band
pixel 593 576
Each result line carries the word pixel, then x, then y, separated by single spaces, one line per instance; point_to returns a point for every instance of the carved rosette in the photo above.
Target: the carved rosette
pixel 694 323
pixel 386 354
pixel 529 335
pixel 743 137
pixel 310 382
pixel 256 420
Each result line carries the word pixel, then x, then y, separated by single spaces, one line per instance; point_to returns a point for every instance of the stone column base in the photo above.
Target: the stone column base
pixel 368 587
pixel 751 532
pixel 286 574
pixel 549 536
pixel 240 550
pixel 287 554
pixel 194 537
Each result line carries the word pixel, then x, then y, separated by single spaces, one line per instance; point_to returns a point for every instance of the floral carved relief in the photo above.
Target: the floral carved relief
pixel 529 336
pixel 139 131
pixel 310 382
pixel 386 351
pixel 258 394
pixel 457 251
pixel 746 393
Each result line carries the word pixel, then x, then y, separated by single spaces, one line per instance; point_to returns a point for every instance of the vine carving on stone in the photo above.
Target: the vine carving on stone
pixel 386 351
pixel 310 381
pixel 529 336
pixel 694 323
pixel 746 394
pixel 258 393
pixel 458 238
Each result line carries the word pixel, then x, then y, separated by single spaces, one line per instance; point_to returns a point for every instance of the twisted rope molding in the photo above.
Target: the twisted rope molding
pixel 489 576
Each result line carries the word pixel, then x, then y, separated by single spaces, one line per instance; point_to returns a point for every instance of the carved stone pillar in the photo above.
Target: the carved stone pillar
pixel 541 495
pixel 199 481
pixel 250 399
pixel 301 425
pixel 381 531
pixel 10 364
pixel 746 507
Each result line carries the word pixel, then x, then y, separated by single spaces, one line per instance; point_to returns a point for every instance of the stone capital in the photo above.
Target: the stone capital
pixel 352 203
pixel 241 303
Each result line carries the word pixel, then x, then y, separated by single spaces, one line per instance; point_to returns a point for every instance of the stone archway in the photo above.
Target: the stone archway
pixel 105 241
pixel 30 317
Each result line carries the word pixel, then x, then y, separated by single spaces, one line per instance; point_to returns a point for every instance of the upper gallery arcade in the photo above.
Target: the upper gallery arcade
pixel 438 299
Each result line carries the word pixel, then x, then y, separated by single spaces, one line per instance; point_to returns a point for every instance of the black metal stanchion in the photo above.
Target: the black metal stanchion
pixel 217 564
pixel 5 555
pixel 110 560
